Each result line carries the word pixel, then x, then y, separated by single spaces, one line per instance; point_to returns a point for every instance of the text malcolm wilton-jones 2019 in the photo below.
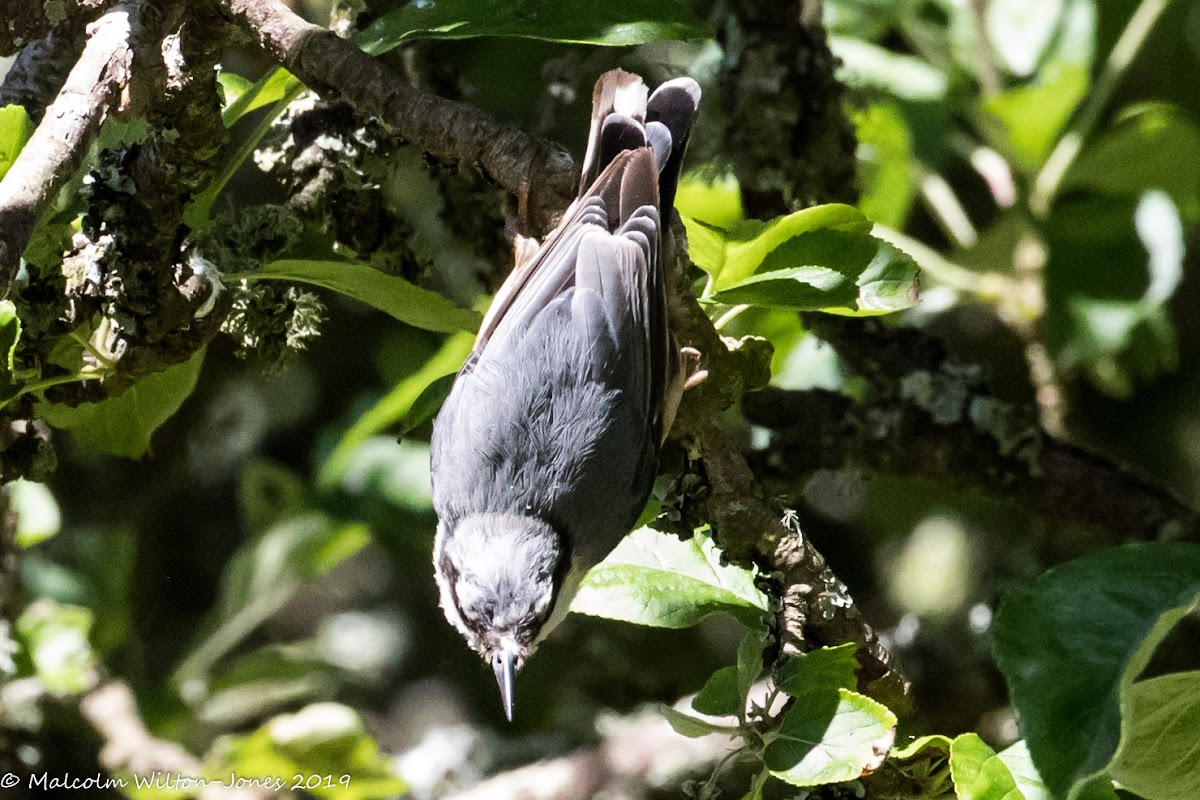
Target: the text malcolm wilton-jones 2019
pixel 168 780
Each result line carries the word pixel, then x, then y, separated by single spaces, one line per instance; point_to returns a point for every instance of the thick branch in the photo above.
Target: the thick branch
pixel 788 136
pixel 451 131
pixel 815 607
pixel 59 144
pixel 40 69
pixel 987 445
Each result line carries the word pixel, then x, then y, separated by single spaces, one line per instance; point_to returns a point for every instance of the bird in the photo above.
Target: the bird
pixel 545 451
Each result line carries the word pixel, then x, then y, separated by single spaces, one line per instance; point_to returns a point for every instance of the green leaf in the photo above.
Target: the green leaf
pixel 1026 120
pixel 934 741
pixel 656 579
pixel 830 270
pixel 38 516
pixel 324 745
pixel 978 773
pixel 261 578
pixel 266 681
pixel 750 659
pixel 884 154
pixel 615 23
pixel 821 670
pixel 719 696
pixel 869 66
pixel 1108 314
pixel 395 472
pixel 396 405
pixel 55 637
pixel 15 130
pixel 395 296
pixel 828 736
pixel 1150 146
pixel 711 200
pixel 1071 644
pixel 10 334
pixel 689 726
pixel 1020 765
pixel 746 248
pixel 1157 758
pixel 1021 31
pixel 123 425
pixel 241 97
pixel 427 404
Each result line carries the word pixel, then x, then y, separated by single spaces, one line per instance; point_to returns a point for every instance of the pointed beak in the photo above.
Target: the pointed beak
pixel 505 664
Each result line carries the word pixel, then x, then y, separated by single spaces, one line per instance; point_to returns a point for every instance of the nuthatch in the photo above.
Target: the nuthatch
pixel 545 451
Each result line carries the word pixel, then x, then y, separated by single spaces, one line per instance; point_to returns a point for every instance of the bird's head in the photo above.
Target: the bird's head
pixel 501 579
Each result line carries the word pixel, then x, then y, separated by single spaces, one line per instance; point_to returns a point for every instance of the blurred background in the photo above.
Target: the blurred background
pixel 233 577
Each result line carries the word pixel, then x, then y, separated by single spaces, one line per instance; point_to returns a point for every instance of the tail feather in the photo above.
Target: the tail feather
pixel 624 118
pixel 674 106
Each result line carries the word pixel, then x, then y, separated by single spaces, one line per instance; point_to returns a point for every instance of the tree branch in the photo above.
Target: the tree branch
pixel 451 131
pixel 936 428
pixel 640 753
pixel 130 748
pixel 40 69
pixel 93 88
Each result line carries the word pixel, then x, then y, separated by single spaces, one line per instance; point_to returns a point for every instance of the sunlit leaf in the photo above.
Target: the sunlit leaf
pixel 1157 758
pixel 884 164
pixel 55 636
pixel 10 334
pixel 617 22
pixel 242 97
pixel 978 773
pixel 1071 644
pixel 1024 773
pixel 829 270
pixel 396 405
pixel 323 749
pixel 1028 119
pixel 395 296
pixel 15 130
pixel 713 201
pixel 825 668
pixel 123 425
pixel 869 66
pixel 38 515
pixel 829 736
pixel 656 579
pixel 1021 30
pixel 1150 146
pixel 934 741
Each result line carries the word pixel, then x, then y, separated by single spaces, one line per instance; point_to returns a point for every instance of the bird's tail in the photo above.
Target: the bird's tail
pixel 624 118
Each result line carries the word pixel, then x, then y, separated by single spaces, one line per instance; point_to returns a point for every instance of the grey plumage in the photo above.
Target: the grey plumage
pixel 545 451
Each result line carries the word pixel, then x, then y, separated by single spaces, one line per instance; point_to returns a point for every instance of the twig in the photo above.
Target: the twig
pixel 453 132
pixel 1050 178
pixel 58 146
pixel 130 748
